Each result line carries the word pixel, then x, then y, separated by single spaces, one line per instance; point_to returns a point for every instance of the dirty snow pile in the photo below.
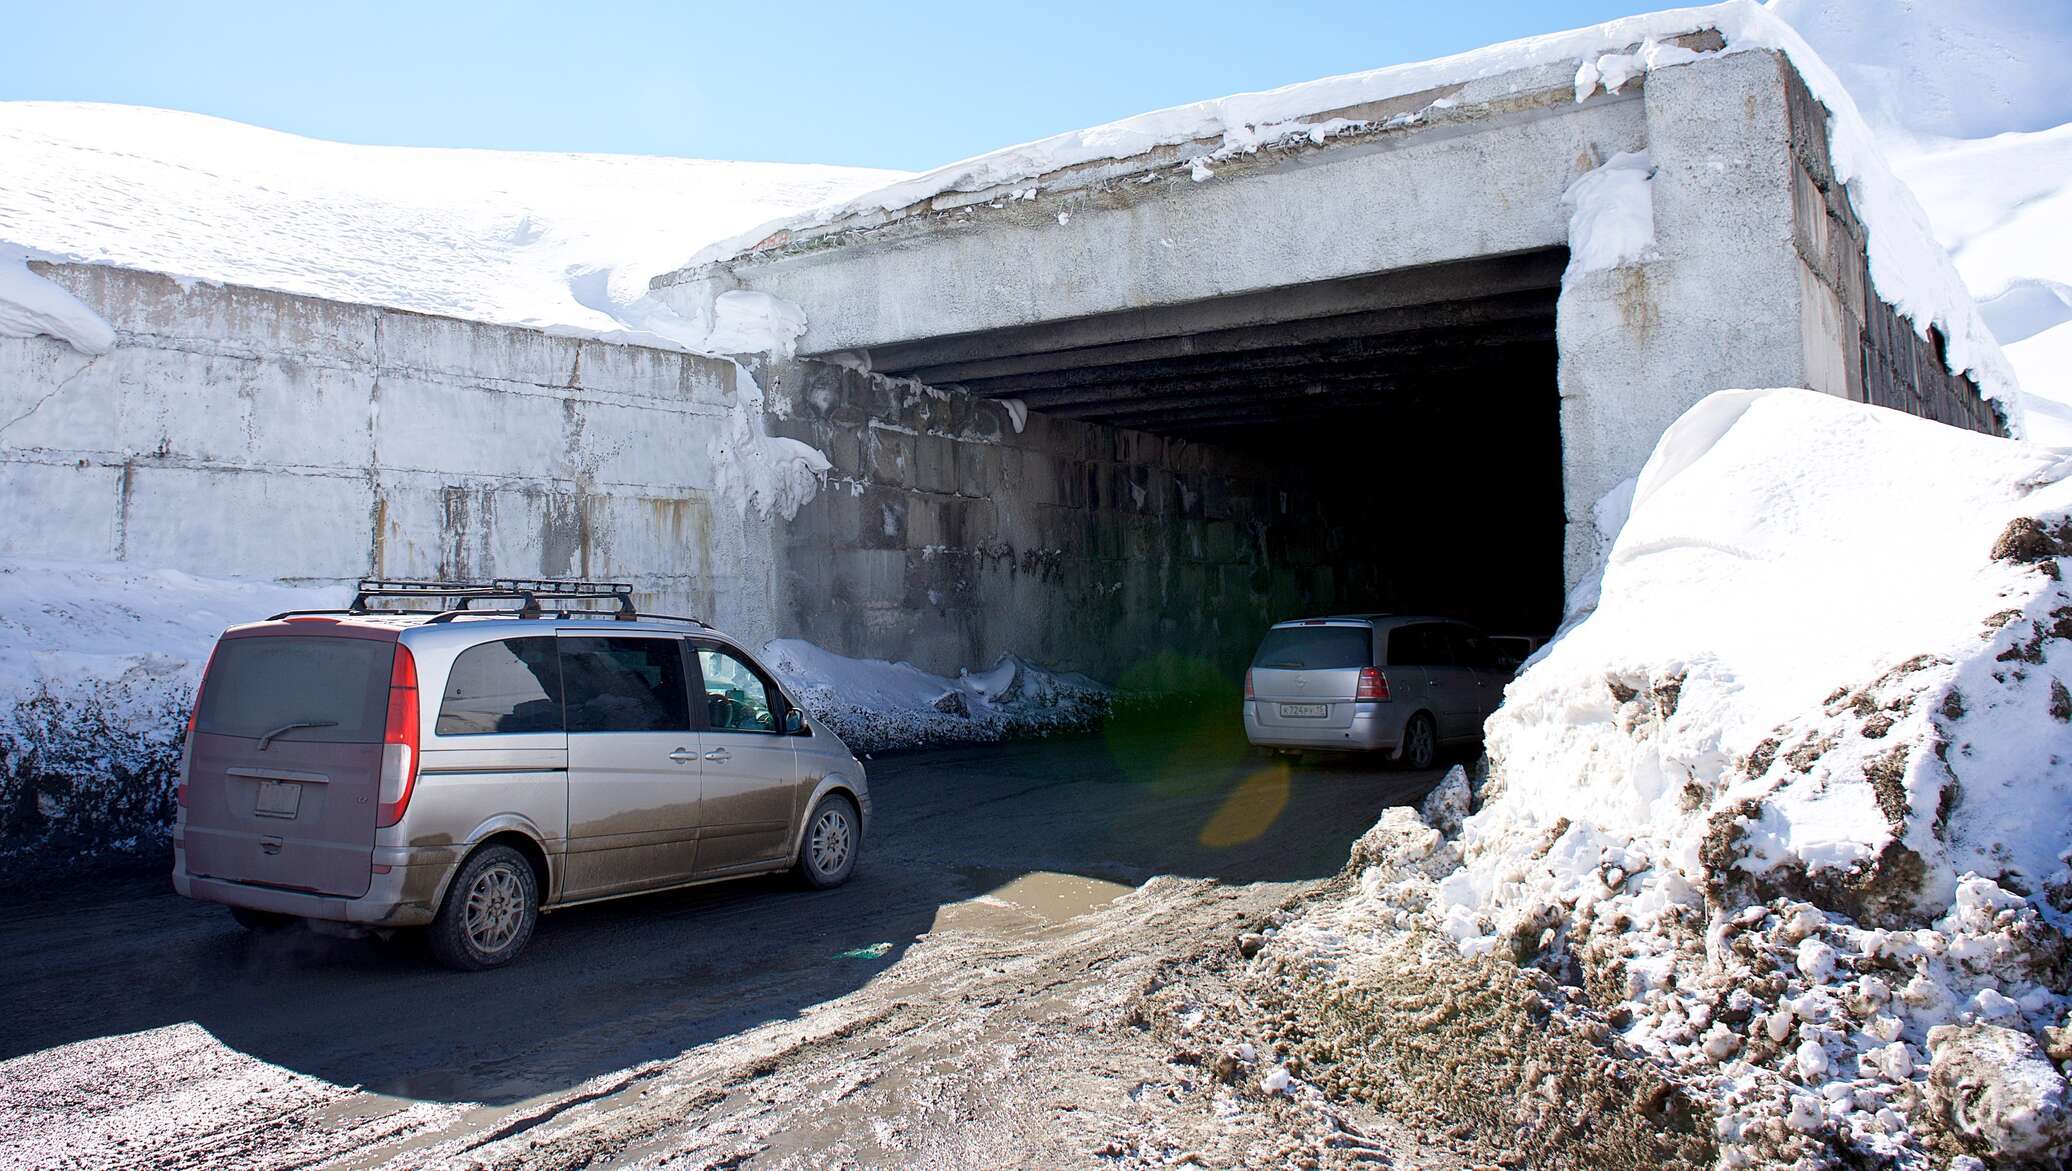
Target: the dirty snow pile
pixel 874 705
pixel 1970 103
pixel 562 242
pixel 1788 816
pixel 98 664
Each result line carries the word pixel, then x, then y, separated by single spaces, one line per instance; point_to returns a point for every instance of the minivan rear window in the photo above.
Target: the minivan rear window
pixel 336 688
pixel 1314 648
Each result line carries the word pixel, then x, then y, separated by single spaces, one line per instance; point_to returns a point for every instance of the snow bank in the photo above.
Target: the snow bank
pixel 564 242
pixel 1969 101
pixel 98 665
pixel 30 305
pixel 875 705
pixel 1793 796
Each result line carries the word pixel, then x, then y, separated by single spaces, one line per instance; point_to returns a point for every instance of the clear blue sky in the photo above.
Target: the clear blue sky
pixel 873 84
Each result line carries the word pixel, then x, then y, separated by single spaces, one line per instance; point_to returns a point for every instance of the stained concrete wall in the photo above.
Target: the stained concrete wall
pixel 238 432
pixel 1759 279
pixel 234 431
pixel 949 535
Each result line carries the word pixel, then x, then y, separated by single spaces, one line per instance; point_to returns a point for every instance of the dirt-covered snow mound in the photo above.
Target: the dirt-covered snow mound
pixel 1787 818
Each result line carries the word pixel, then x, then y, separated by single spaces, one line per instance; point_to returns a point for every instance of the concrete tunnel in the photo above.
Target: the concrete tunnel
pixel 1416 412
pixel 1379 323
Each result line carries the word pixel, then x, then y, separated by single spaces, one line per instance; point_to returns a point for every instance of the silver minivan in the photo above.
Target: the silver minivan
pixel 466 766
pixel 1399 684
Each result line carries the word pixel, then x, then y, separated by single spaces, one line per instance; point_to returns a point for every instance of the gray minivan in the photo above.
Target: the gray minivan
pixel 466 767
pixel 1399 684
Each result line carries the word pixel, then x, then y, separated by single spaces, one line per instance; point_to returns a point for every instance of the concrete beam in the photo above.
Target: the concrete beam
pixel 1485 182
pixel 1035 388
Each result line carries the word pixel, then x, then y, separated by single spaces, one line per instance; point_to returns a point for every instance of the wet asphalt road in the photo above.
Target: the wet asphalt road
pixel 609 986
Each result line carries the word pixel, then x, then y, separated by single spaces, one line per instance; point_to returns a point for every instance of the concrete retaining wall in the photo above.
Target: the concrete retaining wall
pixel 949 535
pixel 234 431
pixel 238 432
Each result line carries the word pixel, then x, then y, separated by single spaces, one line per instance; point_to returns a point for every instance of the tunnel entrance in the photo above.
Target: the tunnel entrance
pixel 1411 420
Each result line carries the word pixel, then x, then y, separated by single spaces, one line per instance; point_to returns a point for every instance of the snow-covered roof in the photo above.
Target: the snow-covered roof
pixel 556 241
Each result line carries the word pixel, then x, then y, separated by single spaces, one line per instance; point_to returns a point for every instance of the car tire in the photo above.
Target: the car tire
pixel 261 922
pixel 833 839
pixel 1420 748
pixel 489 911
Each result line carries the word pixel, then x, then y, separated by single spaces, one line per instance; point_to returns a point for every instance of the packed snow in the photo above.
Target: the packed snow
pixel 1970 102
pixel 1784 804
pixel 1611 214
pixel 30 305
pixel 564 242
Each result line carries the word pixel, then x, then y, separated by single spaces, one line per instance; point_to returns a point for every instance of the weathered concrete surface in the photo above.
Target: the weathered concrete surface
pixel 947 535
pixel 235 431
pixel 238 432
pixel 1481 177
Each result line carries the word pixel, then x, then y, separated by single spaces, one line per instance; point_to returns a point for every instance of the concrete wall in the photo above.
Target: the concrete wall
pixel 234 431
pixel 237 432
pixel 949 536
pixel 1480 178
pixel 1761 280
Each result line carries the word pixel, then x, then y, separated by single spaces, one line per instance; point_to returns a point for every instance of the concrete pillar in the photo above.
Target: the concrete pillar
pixel 1721 307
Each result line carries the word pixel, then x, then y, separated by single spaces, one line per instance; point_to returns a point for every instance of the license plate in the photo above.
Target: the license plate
pixel 1310 711
pixel 279 799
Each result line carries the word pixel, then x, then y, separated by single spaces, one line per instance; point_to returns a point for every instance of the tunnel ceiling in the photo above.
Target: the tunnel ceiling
pixel 1398 344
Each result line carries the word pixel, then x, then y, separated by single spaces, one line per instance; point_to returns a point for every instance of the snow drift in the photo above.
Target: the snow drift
pixel 1969 101
pixel 1784 819
pixel 563 242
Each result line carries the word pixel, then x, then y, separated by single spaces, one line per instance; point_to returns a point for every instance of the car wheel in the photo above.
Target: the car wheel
pixel 261 921
pixel 489 911
pixel 1420 743
pixel 833 838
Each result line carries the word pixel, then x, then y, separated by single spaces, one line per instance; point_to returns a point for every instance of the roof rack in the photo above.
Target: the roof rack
pixel 529 593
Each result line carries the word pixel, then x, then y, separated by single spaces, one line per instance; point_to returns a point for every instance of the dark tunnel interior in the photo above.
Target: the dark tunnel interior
pixel 1416 413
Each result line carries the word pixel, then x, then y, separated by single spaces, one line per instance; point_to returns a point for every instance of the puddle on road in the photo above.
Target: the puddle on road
pixel 1020 900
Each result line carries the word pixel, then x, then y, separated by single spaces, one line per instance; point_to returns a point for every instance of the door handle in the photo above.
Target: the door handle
pixel 719 756
pixel 683 754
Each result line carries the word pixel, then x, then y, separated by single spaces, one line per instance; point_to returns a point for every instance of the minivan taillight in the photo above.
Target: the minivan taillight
pixel 1248 683
pixel 399 743
pixel 193 715
pixel 1373 685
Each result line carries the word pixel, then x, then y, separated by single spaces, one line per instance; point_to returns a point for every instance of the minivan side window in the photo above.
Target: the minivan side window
pixel 511 685
pixel 736 697
pixel 1472 647
pixel 624 685
pixel 1420 645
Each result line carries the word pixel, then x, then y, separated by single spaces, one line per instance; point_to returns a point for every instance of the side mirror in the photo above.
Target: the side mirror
pixel 794 723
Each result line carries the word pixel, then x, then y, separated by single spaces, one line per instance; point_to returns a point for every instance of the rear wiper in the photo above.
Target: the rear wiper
pixel 268 738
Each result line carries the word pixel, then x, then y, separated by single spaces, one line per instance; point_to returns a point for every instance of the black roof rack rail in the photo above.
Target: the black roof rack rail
pixel 528 592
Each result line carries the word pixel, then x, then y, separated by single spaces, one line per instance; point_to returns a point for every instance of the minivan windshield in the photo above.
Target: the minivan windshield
pixel 329 689
pixel 1313 648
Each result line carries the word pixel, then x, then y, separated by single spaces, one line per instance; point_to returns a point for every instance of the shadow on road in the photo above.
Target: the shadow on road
pixel 609 986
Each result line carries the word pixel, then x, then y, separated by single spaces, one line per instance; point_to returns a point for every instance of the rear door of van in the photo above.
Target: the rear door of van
pixel 1305 676
pixel 285 773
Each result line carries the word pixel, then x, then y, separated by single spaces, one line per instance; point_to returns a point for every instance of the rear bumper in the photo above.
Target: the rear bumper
pixel 1375 727
pixel 407 896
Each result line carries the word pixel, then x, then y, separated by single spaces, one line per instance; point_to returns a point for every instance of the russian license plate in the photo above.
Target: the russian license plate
pixel 279 799
pixel 1308 711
